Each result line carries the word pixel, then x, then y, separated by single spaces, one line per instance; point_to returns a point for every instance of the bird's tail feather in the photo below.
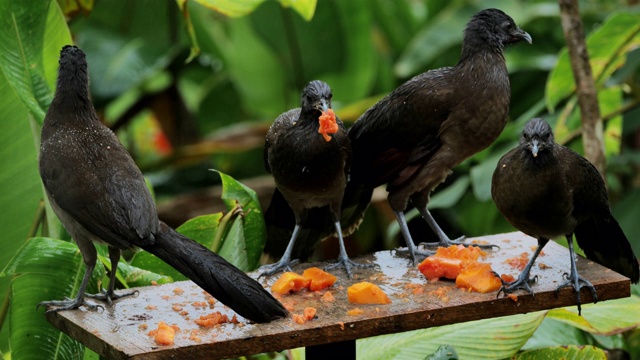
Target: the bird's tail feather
pixel 603 241
pixel 318 224
pixel 215 275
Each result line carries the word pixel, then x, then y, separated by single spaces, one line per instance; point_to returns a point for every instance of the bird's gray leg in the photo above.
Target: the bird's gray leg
pixel 89 256
pixel 343 259
pixel 576 280
pixel 524 280
pixel 285 262
pixel 443 239
pixel 411 247
pixel 109 295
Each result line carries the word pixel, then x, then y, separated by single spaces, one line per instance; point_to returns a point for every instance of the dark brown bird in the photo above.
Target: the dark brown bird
pixel 100 195
pixel 411 139
pixel 547 190
pixel 310 166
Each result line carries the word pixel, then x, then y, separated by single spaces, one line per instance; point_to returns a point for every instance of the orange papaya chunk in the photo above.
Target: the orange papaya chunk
pixel 318 279
pixel 366 293
pixel 435 267
pixel 164 334
pixel 479 278
pixel 289 282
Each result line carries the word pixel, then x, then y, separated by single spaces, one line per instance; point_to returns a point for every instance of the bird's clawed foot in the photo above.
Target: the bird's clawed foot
pixel 348 264
pixel 282 265
pixel 523 282
pixel 67 304
pixel 578 282
pixel 416 253
pixel 108 298
pixel 446 242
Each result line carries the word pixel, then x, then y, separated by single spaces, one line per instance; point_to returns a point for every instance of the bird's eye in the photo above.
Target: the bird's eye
pixel 330 96
pixel 309 98
pixel 509 26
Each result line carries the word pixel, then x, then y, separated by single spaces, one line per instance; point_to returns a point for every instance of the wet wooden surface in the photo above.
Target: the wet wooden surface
pixel 121 332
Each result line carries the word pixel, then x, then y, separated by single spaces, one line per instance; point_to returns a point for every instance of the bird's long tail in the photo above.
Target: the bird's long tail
pixel 603 241
pixel 317 226
pixel 215 275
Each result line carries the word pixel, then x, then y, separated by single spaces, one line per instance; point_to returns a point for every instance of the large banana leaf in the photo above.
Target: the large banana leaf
pixel 44 269
pixel 497 338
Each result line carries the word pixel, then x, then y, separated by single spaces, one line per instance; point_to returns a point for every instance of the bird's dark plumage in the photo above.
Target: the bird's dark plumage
pixel 100 195
pixel 412 138
pixel 309 169
pixel 547 190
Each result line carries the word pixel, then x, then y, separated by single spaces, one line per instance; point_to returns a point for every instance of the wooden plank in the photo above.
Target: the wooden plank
pixel 121 332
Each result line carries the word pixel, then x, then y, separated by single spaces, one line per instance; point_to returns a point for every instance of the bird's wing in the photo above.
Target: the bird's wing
pixel 103 172
pixel 589 191
pixel 280 124
pixel 401 132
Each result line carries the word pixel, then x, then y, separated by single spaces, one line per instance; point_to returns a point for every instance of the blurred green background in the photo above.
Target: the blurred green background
pixel 190 86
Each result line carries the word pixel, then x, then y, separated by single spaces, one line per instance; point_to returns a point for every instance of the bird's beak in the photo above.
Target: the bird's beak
pixel 524 35
pixel 322 105
pixel 534 148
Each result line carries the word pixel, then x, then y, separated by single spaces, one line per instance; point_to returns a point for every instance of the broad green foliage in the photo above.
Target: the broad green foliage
pixel 571 352
pixel 44 269
pixel 497 338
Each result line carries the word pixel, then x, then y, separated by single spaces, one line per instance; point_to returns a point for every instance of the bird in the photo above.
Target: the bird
pixel 100 195
pixel 412 138
pixel 547 190
pixel 308 152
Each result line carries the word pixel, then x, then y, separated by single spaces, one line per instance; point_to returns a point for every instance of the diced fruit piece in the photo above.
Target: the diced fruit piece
pixel 289 282
pixel 479 278
pixel 366 293
pixel 353 312
pixel 318 279
pixel 435 267
pixel 309 313
pixel 165 334
pixel 507 278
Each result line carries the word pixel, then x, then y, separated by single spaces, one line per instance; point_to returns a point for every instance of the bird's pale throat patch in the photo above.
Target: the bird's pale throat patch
pixel 328 124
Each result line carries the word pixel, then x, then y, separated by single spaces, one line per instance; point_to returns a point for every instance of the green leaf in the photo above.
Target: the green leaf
pixel 554 333
pixel 608 318
pixel 20 186
pixel 607 47
pixel 497 338
pixel 570 352
pixel 234 248
pixel 118 63
pixel 254 230
pixel 306 8
pixel 33 34
pixel 231 8
pixel 132 276
pixel 44 269
pixel 238 8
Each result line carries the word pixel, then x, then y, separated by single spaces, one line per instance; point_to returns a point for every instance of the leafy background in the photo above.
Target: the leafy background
pixel 193 85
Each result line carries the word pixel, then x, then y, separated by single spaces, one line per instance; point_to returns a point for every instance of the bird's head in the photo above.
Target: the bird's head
pixel 537 136
pixel 316 96
pixel 496 28
pixel 72 59
pixel 316 105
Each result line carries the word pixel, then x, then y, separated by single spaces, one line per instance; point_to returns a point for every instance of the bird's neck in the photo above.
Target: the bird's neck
pixel 309 119
pixel 473 48
pixel 71 100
